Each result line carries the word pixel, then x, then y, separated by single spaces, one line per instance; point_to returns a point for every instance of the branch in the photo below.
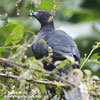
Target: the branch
pixel 8 76
pixel 6 62
pixel 12 64
pixel 45 83
pixel 38 81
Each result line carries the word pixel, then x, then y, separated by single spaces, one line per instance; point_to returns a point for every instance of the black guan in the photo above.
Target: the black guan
pixel 60 43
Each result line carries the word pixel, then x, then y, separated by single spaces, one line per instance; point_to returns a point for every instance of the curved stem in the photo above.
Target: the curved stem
pixel 94 47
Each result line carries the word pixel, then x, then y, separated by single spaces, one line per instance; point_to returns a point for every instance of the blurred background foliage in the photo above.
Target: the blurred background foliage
pixel 79 18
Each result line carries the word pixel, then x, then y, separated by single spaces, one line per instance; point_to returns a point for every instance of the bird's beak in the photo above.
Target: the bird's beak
pixel 30 14
pixel 35 14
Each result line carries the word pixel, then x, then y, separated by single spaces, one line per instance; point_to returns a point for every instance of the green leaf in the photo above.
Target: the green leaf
pixel 2 98
pixel 16 35
pixel 31 58
pixel 42 88
pixel 95 77
pixel 43 41
pixel 57 63
pixel 6 30
pixel 95 56
pixel 71 59
pixel 58 91
pixel 64 63
pixel 46 4
pixel 87 72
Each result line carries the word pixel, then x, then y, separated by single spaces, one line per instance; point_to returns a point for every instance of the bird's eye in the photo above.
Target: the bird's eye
pixel 41 14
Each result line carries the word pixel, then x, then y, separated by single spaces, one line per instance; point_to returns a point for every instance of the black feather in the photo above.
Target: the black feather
pixel 61 44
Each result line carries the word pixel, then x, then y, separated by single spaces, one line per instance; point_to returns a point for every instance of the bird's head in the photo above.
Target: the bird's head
pixel 42 16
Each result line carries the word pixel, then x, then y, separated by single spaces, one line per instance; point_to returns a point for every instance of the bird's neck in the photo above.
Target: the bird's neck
pixel 47 27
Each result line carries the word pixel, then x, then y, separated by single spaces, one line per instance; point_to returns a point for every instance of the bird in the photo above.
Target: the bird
pixel 59 41
pixel 56 41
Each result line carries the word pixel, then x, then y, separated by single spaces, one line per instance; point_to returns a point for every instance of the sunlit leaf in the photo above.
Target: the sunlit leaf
pixel 95 77
pixel 95 56
pixel 64 63
pixel 71 59
pixel 87 72
pixel 2 98
pixel 58 91
pixel 16 35
pixel 46 4
pixel 31 58
pixel 43 41
pixel 57 63
pixel 6 30
pixel 42 88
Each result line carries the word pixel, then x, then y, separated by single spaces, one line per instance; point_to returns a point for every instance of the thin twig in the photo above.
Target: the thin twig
pixel 87 58
pixel 12 64
pixel 6 62
pixel 8 76
pixel 94 48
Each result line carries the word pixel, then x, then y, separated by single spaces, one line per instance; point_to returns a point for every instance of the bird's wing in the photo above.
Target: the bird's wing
pixel 63 44
pixel 39 49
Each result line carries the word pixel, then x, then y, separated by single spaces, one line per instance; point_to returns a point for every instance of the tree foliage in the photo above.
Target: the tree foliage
pixel 20 73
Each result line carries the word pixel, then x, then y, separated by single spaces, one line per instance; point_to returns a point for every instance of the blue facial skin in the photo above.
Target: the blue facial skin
pixel 36 15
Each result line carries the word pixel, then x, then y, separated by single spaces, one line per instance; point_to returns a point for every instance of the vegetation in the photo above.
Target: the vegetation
pixel 20 73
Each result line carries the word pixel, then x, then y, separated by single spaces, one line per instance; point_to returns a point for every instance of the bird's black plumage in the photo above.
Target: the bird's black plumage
pixel 60 42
